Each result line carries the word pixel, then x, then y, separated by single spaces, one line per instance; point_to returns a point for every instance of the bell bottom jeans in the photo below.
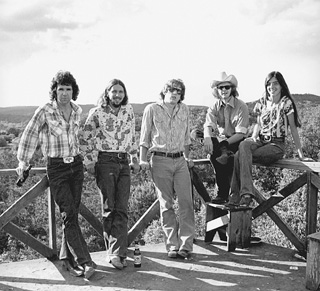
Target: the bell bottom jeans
pixel 65 181
pixel 113 180
pixel 252 151
pixel 171 177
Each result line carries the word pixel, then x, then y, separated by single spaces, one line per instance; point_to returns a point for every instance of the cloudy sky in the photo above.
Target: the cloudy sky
pixel 146 42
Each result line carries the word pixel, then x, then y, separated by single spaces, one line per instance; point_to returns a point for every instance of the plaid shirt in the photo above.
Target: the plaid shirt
pixel 57 137
pixel 165 133
pixel 106 131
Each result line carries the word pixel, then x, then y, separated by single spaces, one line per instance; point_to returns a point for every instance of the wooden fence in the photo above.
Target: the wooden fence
pixel 310 177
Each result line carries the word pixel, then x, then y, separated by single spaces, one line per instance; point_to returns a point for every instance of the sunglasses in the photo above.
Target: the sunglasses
pixel 224 87
pixel 171 89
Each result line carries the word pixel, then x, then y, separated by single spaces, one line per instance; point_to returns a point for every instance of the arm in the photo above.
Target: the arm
pixel 295 136
pixel 134 164
pixel 209 129
pixel 29 141
pixel 145 137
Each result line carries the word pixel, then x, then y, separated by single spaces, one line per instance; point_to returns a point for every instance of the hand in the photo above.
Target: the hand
pixel 190 163
pixel 144 165
pixel 208 146
pixel 91 168
pixel 21 168
pixel 135 167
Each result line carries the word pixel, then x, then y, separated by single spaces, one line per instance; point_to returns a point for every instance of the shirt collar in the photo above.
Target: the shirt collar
pixel 230 101
pixel 76 108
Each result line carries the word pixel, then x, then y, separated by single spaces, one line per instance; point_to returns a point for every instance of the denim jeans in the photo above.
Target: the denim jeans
pixel 252 151
pixel 171 177
pixel 113 180
pixel 65 182
pixel 223 172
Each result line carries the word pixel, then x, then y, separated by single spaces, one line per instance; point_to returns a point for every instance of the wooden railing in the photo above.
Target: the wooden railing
pixel 310 177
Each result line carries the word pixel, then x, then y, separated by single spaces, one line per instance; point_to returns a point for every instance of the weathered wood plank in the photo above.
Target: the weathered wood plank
pixel 144 221
pixel 93 220
pixel 285 192
pixel 23 201
pixel 283 163
pixel 197 183
pixel 29 240
pixel 284 227
pixel 313 262
pixel 52 221
pixel 312 206
pixel 12 172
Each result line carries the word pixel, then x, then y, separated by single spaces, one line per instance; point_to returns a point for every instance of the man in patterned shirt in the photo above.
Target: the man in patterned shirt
pixel 107 139
pixel 165 133
pixel 55 127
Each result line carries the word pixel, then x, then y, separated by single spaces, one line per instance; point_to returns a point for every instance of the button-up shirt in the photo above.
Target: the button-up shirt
pixel 273 117
pixel 163 132
pixel 105 131
pixel 226 119
pixel 58 138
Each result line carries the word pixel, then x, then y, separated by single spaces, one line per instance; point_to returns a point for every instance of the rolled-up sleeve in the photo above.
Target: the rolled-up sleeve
pixel 243 119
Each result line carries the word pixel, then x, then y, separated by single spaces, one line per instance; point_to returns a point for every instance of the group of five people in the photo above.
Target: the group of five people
pixel 106 148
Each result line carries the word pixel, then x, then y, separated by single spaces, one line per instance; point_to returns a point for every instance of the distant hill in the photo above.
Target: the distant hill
pixel 17 114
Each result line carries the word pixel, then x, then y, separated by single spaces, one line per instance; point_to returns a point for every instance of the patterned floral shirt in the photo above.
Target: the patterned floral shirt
pixel 104 130
pixel 226 119
pixel 165 133
pixel 273 117
pixel 57 137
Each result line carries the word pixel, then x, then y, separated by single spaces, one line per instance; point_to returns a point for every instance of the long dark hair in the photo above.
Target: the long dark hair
pixel 63 78
pixel 104 99
pixel 284 92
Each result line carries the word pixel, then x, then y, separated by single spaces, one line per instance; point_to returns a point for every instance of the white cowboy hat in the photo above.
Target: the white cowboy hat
pixel 222 78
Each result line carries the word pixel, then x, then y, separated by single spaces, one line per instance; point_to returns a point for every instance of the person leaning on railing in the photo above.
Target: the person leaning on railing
pixel 55 126
pixel 276 112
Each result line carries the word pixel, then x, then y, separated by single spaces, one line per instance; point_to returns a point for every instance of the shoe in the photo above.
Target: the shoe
pixel 124 262
pixel 172 254
pixel 219 200
pixel 183 254
pixel 88 271
pixel 74 271
pixel 116 262
pixel 246 199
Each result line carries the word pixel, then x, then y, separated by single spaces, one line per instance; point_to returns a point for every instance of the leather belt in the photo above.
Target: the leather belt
pixel 118 155
pixel 169 155
pixel 64 160
pixel 269 138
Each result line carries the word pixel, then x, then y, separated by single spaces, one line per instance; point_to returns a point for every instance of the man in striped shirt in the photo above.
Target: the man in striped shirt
pixel 55 127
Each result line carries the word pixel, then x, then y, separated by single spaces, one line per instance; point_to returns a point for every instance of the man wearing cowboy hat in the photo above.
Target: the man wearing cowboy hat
pixel 226 125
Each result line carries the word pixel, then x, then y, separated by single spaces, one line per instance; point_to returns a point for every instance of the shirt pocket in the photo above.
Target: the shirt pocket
pixel 55 128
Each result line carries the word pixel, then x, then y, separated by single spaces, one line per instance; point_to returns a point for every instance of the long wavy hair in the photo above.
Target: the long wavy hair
pixel 63 78
pixel 104 99
pixel 284 92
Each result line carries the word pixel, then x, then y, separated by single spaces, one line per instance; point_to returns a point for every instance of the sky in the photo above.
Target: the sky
pixel 147 42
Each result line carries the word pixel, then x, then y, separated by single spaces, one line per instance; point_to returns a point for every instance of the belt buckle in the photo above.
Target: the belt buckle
pixel 68 160
pixel 120 155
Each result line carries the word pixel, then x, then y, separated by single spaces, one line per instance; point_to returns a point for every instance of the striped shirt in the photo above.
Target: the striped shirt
pixel 57 137
pixel 165 133
pixel 105 131
pixel 226 119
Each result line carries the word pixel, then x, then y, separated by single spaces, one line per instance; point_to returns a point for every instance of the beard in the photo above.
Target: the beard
pixel 116 105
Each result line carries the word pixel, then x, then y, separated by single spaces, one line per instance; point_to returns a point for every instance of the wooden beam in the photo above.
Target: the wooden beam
pixel 285 192
pixel 283 163
pixel 197 183
pixel 312 206
pixel 23 201
pixel 12 172
pixel 284 227
pixel 144 221
pixel 52 221
pixel 30 241
pixel 93 220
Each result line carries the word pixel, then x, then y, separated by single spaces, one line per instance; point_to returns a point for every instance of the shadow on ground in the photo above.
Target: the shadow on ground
pixel 211 267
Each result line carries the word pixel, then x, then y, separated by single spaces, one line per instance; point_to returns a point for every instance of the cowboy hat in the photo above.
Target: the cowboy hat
pixel 222 78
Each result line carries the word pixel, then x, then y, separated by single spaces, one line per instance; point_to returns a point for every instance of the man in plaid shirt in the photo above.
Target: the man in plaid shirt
pixel 55 127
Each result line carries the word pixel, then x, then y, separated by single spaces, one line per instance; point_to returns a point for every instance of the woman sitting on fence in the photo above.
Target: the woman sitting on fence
pixel 276 112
